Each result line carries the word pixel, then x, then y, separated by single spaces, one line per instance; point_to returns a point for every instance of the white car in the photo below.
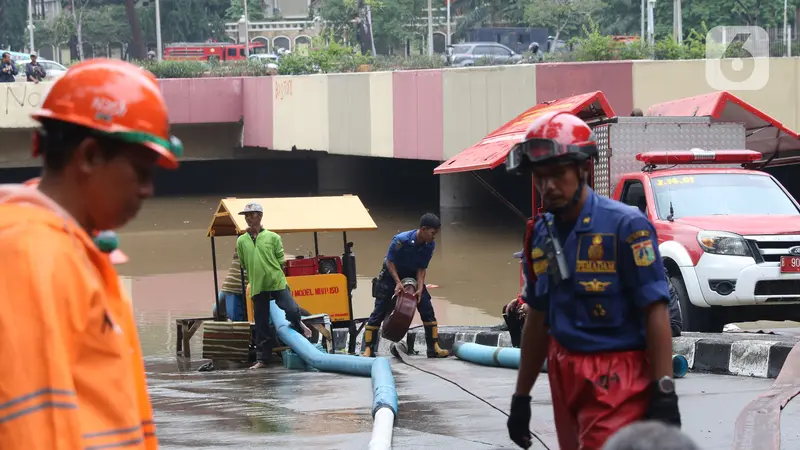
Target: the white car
pixel 270 60
pixel 53 69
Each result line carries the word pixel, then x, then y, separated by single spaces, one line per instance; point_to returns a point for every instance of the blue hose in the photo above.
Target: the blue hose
pixel 509 357
pixel 384 390
pixel 489 356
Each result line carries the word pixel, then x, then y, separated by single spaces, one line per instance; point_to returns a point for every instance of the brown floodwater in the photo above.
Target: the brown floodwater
pixel 170 270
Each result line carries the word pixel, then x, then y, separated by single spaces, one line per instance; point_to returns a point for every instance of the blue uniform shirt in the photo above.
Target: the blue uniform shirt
pixel 408 255
pixel 616 272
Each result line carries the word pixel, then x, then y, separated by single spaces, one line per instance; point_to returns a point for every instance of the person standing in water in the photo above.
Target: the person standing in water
pixel 261 254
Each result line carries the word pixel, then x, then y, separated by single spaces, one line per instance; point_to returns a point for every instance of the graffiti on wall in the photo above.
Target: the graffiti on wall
pixel 283 88
pixel 23 98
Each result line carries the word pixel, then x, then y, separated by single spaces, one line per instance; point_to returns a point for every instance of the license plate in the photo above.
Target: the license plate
pixel 790 263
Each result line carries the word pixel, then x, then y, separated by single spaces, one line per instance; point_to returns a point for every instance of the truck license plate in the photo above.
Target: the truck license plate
pixel 790 263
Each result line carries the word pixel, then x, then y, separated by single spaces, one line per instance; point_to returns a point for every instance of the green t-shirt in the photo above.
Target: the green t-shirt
pixel 263 260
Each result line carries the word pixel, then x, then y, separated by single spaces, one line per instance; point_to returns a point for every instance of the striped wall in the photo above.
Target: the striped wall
pixel 425 114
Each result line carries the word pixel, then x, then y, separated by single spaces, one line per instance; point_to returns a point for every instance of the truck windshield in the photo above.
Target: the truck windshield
pixel 720 194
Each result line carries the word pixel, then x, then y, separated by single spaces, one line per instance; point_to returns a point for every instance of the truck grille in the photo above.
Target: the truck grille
pixel 771 248
pixel 778 287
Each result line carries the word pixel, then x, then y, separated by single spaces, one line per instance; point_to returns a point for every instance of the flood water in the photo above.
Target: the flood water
pixel 170 270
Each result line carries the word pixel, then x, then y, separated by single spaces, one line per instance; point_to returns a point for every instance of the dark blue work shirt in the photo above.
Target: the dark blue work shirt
pixel 408 255
pixel 616 272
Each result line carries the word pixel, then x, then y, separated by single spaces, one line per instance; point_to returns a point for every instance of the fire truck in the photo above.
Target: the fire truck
pixel 729 232
pixel 210 51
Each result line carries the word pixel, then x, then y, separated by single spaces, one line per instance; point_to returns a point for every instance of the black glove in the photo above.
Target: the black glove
pixel 664 407
pixel 519 420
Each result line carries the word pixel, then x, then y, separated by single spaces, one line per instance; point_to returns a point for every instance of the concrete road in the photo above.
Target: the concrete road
pixel 278 408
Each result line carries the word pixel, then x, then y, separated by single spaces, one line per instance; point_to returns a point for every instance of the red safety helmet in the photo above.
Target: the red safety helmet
pixel 552 138
pixel 115 99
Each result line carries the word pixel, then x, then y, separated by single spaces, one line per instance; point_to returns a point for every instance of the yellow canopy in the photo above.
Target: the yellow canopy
pixel 294 215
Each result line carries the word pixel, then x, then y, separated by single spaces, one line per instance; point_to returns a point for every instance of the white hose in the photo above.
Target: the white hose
pixel 382 425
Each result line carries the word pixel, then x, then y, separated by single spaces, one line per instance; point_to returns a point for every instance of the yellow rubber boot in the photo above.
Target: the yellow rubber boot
pixel 368 348
pixel 432 339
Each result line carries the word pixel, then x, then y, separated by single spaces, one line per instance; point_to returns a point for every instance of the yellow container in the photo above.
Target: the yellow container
pixel 249 301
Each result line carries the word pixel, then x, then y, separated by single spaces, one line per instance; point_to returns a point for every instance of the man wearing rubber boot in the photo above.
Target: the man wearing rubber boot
pixel 408 257
pixel 595 285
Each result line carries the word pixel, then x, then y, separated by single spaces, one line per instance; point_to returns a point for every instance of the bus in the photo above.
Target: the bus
pixel 210 51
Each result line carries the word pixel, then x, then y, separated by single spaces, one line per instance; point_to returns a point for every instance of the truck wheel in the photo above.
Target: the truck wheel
pixel 314 333
pixel 693 317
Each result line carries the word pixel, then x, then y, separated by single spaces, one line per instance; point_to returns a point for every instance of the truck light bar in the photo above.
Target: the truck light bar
pixel 698 156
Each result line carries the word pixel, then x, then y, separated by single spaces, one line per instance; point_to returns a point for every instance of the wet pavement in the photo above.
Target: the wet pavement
pixel 170 276
pixel 279 408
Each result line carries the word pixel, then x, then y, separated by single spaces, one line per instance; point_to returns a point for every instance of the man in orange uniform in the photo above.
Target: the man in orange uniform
pixel 104 127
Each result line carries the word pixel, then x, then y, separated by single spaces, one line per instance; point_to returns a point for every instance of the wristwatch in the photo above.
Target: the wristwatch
pixel 666 385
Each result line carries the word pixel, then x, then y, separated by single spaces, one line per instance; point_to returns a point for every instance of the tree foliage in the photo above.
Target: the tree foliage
pixel 255 10
pixel 13 18
pixel 562 16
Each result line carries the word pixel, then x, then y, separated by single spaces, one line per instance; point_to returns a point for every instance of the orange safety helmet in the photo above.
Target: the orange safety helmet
pixel 553 137
pixel 116 255
pixel 115 99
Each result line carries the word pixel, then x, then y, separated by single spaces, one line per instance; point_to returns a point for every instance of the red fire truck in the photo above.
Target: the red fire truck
pixel 729 233
pixel 210 51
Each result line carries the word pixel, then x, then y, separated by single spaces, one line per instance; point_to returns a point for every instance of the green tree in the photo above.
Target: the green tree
pixel 13 17
pixel 340 19
pixel 56 30
pixel 477 13
pixel 391 20
pixel 255 10
pixel 564 16
pixel 106 24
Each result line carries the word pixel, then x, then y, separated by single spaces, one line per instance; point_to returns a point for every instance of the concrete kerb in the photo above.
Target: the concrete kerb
pixel 744 354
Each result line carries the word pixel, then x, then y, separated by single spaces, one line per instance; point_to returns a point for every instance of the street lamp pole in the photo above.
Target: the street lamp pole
pixel 30 24
pixel 447 41
pixel 158 30
pixel 430 28
pixel 246 31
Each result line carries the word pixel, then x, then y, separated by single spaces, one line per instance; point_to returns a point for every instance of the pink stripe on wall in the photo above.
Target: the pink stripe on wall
pixel 615 79
pixel 203 100
pixel 257 109
pixel 418 115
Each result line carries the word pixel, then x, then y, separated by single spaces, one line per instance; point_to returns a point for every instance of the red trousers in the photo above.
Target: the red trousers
pixel 595 395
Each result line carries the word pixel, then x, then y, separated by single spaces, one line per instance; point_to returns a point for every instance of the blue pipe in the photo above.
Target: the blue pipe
pixel 489 356
pixel 384 390
pixel 509 357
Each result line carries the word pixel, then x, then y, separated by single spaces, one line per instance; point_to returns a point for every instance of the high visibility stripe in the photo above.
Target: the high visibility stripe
pixel 37 408
pixel 127 443
pixel 39 393
pixel 112 432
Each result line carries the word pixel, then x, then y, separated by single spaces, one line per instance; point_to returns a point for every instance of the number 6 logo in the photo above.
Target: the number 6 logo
pixel 737 58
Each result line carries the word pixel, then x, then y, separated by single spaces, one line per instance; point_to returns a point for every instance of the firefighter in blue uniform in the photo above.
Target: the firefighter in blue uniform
pixel 408 257
pixel 597 295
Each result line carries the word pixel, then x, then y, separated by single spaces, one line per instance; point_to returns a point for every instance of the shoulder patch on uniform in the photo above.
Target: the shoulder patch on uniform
pixel 537 253
pixel 540 267
pixel 398 245
pixel 637 235
pixel 643 253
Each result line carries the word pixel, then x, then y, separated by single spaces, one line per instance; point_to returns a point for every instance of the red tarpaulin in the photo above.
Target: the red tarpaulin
pixel 764 133
pixel 492 150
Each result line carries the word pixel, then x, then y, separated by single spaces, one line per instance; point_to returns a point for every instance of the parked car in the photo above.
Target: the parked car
pixel 465 55
pixel 53 69
pixel 270 60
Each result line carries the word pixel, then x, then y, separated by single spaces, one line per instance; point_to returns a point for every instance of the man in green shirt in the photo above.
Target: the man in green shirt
pixel 261 254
